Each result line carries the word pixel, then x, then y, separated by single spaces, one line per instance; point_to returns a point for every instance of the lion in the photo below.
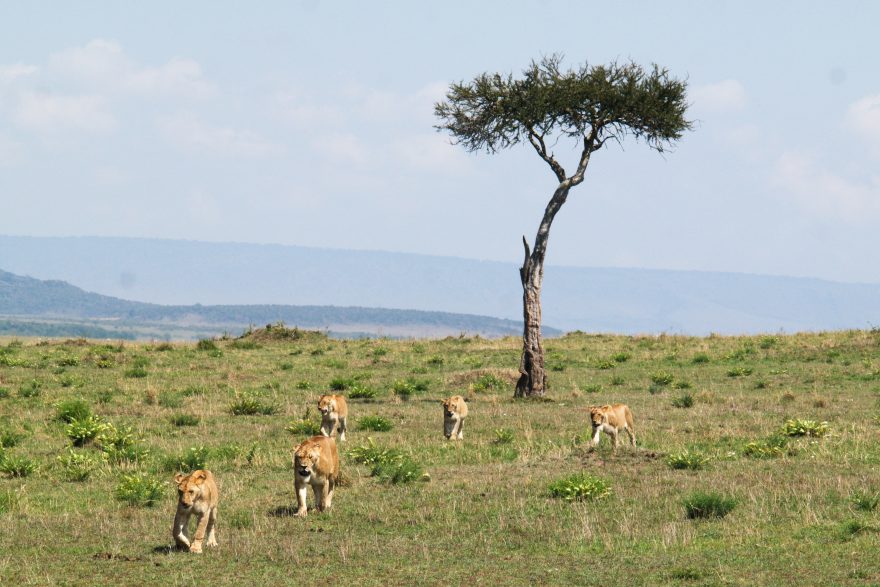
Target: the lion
pixel 455 410
pixel 334 412
pixel 611 419
pixel 315 463
pixel 196 494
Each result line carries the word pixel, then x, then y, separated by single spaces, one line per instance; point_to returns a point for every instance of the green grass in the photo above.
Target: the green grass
pixel 479 511
pixel 708 504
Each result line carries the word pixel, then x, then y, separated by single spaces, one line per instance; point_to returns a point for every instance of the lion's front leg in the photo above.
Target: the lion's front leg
pixel 201 528
pixel 301 496
pixel 614 438
pixel 342 427
pixel 327 426
pixel 458 429
pixel 179 530
pixel 596 432
pixel 321 492
pixel 212 522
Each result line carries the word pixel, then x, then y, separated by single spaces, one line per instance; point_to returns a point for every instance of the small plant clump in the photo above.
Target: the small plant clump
pixel 580 487
pixel 662 378
pixel 702 504
pixel 488 381
pixel 359 391
pixel 683 401
pixel 811 428
pixel 139 490
pixel 686 459
pixel 78 466
pixel 503 436
pixel 865 501
pixel 17 466
pixel 774 446
pixel 375 423
pixel 184 420
pixel 249 405
pixel 410 386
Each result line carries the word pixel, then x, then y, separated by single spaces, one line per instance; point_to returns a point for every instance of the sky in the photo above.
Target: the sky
pixel 311 123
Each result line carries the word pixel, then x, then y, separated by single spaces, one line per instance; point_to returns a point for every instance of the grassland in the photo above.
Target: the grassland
pixel 709 413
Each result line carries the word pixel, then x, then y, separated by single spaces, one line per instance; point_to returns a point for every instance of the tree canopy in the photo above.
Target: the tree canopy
pixel 593 103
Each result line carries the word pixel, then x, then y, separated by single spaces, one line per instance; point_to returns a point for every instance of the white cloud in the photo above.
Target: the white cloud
pixel 194 135
pixel 299 112
pixel 50 112
pixel 863 116
pixel 9 73
pixel 343 148
pixel 431 152
pixel 724 96
pixel 104 64
pixel 826 194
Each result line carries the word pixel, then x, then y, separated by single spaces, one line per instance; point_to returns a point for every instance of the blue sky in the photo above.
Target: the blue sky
pixel 310 123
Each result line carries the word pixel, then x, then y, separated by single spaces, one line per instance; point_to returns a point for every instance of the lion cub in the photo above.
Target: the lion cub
pixel 196 494
pixel 334 412
pixel 611 419
pixel 315 463
pixel 455 410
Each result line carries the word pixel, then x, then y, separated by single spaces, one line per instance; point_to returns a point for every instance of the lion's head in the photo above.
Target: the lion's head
pixel 326 404
pixel 306 458
pixel 189 487
pixel 598 416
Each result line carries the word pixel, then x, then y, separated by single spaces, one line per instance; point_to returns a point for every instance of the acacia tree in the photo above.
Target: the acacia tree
pixel 590 105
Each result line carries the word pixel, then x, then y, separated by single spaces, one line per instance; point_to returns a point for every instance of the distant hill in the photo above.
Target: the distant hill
pixel 30 306
pixel 590 299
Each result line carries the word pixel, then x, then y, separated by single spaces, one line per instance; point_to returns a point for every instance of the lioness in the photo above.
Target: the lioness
pixel 611 419
pixel 316 463
pixel 455 410
pixel 334 411
pixel 196 494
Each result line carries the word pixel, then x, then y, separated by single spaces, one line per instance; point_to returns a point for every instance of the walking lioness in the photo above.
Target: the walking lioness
pixel 455 410
pixel 334 413
pixel 611 419
pixel 196 495
pixel 315 463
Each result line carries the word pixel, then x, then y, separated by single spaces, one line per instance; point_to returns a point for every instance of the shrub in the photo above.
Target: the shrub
pixel 196 457
pixel 486 382
pixel 17 466
pixel 303 384
pixel 605 364
pixel 410 386
pixel 139 490
pixel 702 504
pixel 306 426
pixel 30 389
pixel 77 466
pixel 580 487
pixel 184 420
pixel 120 444
pixel 684 401
pixel 401 470
pixel 503 436
pixel 249 405
pixel 82 431
pixel 620 357
pixel 4 392
pixel 286 366
pixel 369 454
pixel 206 344
pixel 375 423
pixel 617 380
pixel 798 427
pixel 244 345
pixel 681 385
pixel 68 361
pixel 774 446
pixel 170 400
pixel 360 392
pixel 686 459
pixel 191 390
pixel 10 438
pixel 435 361
pixel 662 378
pixel 700 358
pixel 592 388
pixel 136 372
pixel 341 383
pixel 865 501
pixel 740 371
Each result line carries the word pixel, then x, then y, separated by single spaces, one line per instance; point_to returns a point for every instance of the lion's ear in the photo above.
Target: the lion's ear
pixel 179 477
pixel 198 477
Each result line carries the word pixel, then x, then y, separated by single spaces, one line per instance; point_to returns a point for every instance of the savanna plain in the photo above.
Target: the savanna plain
pixel 757 463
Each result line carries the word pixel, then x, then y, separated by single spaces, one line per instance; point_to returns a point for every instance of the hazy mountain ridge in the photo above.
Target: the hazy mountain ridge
pixel 66 310
pixel 589 299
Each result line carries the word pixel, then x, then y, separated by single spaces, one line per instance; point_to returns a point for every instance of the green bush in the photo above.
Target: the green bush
pixel 592 388
pixel 206 344
pixel 17 466
pixel 702 504
pixel 865 501
pixel 401 470
pixel 798 427
pixel 307 426
pixel 341 383
pixel 30 389
pixel 605 364
pixel 10 438
pixel 375 423
pixel 249 405
pixel 244 345
pixel 82 431
pixel 196 457
pixel 662 378
pixel 486 382
pixel 740 372
pixel 136 372
pixel 184 420
pixel 684 401
pixel 700 358
pixel 774 446
pixel 410 386
pixel 503 436
pixel 120 445
pixel 77 466
pixel 361 392
pixel 617 380
pixel 139 490
pixel 580 487
pixel 686 459
pixel 620 357
pixel 435 361
pixel 369 454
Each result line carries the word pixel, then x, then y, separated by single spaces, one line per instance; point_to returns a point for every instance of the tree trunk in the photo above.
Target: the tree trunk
pixel 532 380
